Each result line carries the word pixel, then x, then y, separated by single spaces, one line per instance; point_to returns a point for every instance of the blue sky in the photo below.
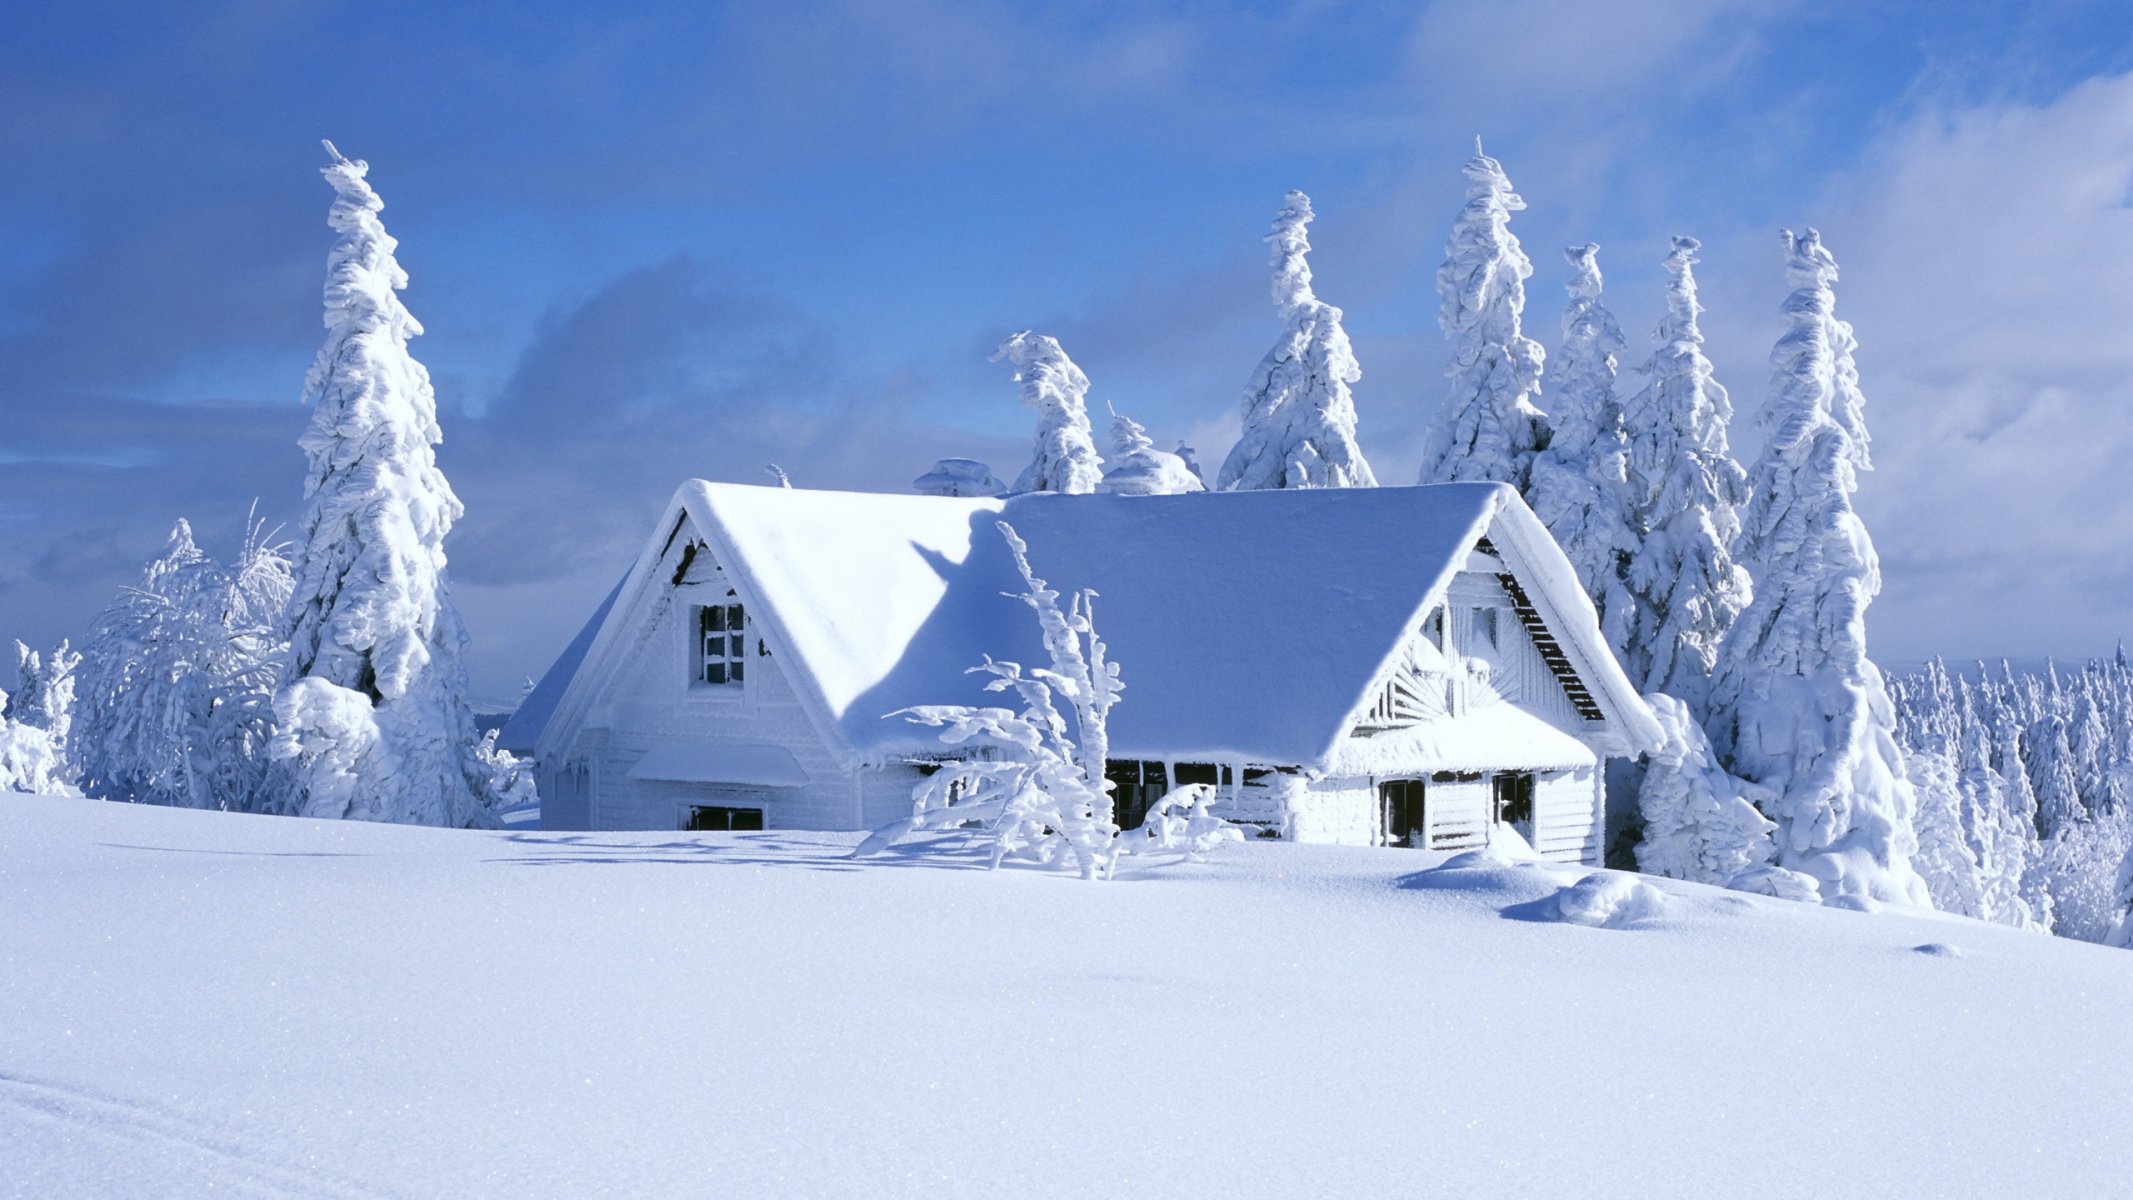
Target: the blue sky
pixel 657 240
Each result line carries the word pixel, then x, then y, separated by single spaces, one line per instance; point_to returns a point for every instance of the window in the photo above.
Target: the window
pixel 721 644
pixel 1485 629
pixel 720 818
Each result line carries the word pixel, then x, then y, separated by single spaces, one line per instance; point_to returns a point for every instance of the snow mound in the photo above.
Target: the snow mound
pixel 1610 900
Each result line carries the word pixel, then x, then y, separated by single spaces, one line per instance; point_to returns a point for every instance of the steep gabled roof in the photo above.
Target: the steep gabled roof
pixel 1246 625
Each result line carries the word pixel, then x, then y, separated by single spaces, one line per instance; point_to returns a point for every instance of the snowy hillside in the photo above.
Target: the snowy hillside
pixel 274 1006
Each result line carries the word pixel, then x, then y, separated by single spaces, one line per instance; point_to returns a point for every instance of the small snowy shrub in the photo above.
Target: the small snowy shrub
pixel 1040 793
pixel 1183 822
pixel 30 759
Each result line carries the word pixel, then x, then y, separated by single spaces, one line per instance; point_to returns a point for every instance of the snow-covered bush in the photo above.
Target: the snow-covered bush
pixel 1299 417
pixel 1065 458
pixel 177 680
pixel 958 477
pixel 1700 823
pixel 44 691
pixel 1489 427
pixel 1684 489
pixel 1580 483
pixel 1139 469
pixel 1183 822
pixel 375 644
pixel 1034 782
pixel 1797 706
pixel 29 758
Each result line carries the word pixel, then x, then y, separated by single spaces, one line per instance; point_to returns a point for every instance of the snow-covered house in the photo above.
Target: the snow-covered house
pixel 1402 666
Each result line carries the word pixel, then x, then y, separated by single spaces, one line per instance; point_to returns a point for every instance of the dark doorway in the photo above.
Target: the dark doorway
pixel 1135 787
pixel 1401 810
pixel 1514 800
pixel 719 818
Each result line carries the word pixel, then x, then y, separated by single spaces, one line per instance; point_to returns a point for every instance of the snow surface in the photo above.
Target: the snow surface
pixel 189 1009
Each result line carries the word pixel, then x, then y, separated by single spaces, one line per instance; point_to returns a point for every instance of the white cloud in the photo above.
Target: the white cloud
pixel 1988 267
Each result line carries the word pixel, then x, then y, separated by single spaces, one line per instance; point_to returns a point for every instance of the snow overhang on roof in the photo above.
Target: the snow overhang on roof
pixel 1499 737
pixel 696 762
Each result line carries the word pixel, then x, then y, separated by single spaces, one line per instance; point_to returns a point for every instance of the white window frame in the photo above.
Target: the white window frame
pixel 738 646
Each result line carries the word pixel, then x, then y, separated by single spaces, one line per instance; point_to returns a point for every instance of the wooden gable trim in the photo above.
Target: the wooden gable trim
pixel 1551 650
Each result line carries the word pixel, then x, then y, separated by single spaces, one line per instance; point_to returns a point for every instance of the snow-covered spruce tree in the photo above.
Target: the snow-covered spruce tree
pixel 1036 785
pixel 1700 823
pixel 177 680
pixel 1490 426
pixel 1065 459
pixel 1139 469
pixel 2121 935
pixel 372 717
pixel 1684 490
pixel 1580 483
pixel 1798 706
pixel 1299 417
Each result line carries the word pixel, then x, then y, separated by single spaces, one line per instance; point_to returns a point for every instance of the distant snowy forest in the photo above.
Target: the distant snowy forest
pixel 323 678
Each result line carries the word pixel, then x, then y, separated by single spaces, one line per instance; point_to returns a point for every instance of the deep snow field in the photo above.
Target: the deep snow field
pixel 199 1003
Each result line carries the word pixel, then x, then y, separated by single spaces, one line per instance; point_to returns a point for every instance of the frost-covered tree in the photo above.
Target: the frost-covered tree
pixel 373 716
pixel 1799 708
pixel 30 760
pixel 1036 785
pixel 1065 459
pixel 1700 823
pixel 1139 469
pixel 1684 491
pixel 2122 934
pixel 1490 426
pixel 1299 417
pixel 177 680
pixel 44 691
pixel 1580 483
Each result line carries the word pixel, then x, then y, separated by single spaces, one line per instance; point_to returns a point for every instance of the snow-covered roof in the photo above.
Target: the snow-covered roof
pixel 522 733
pixel 1246 625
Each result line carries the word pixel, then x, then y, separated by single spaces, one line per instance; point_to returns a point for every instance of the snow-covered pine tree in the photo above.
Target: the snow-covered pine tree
pixel 1139 469
pixel 1700 823
pixel 1299 417
pixel 1490 425
pixel 1684 489
pixel 372 717
pixel 1037 790
pixel 1580 483
pixel 1798 706
pixel 177 680
pixel 1065 459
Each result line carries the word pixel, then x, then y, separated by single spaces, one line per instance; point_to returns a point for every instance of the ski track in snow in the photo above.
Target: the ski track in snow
pixel 36 1110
